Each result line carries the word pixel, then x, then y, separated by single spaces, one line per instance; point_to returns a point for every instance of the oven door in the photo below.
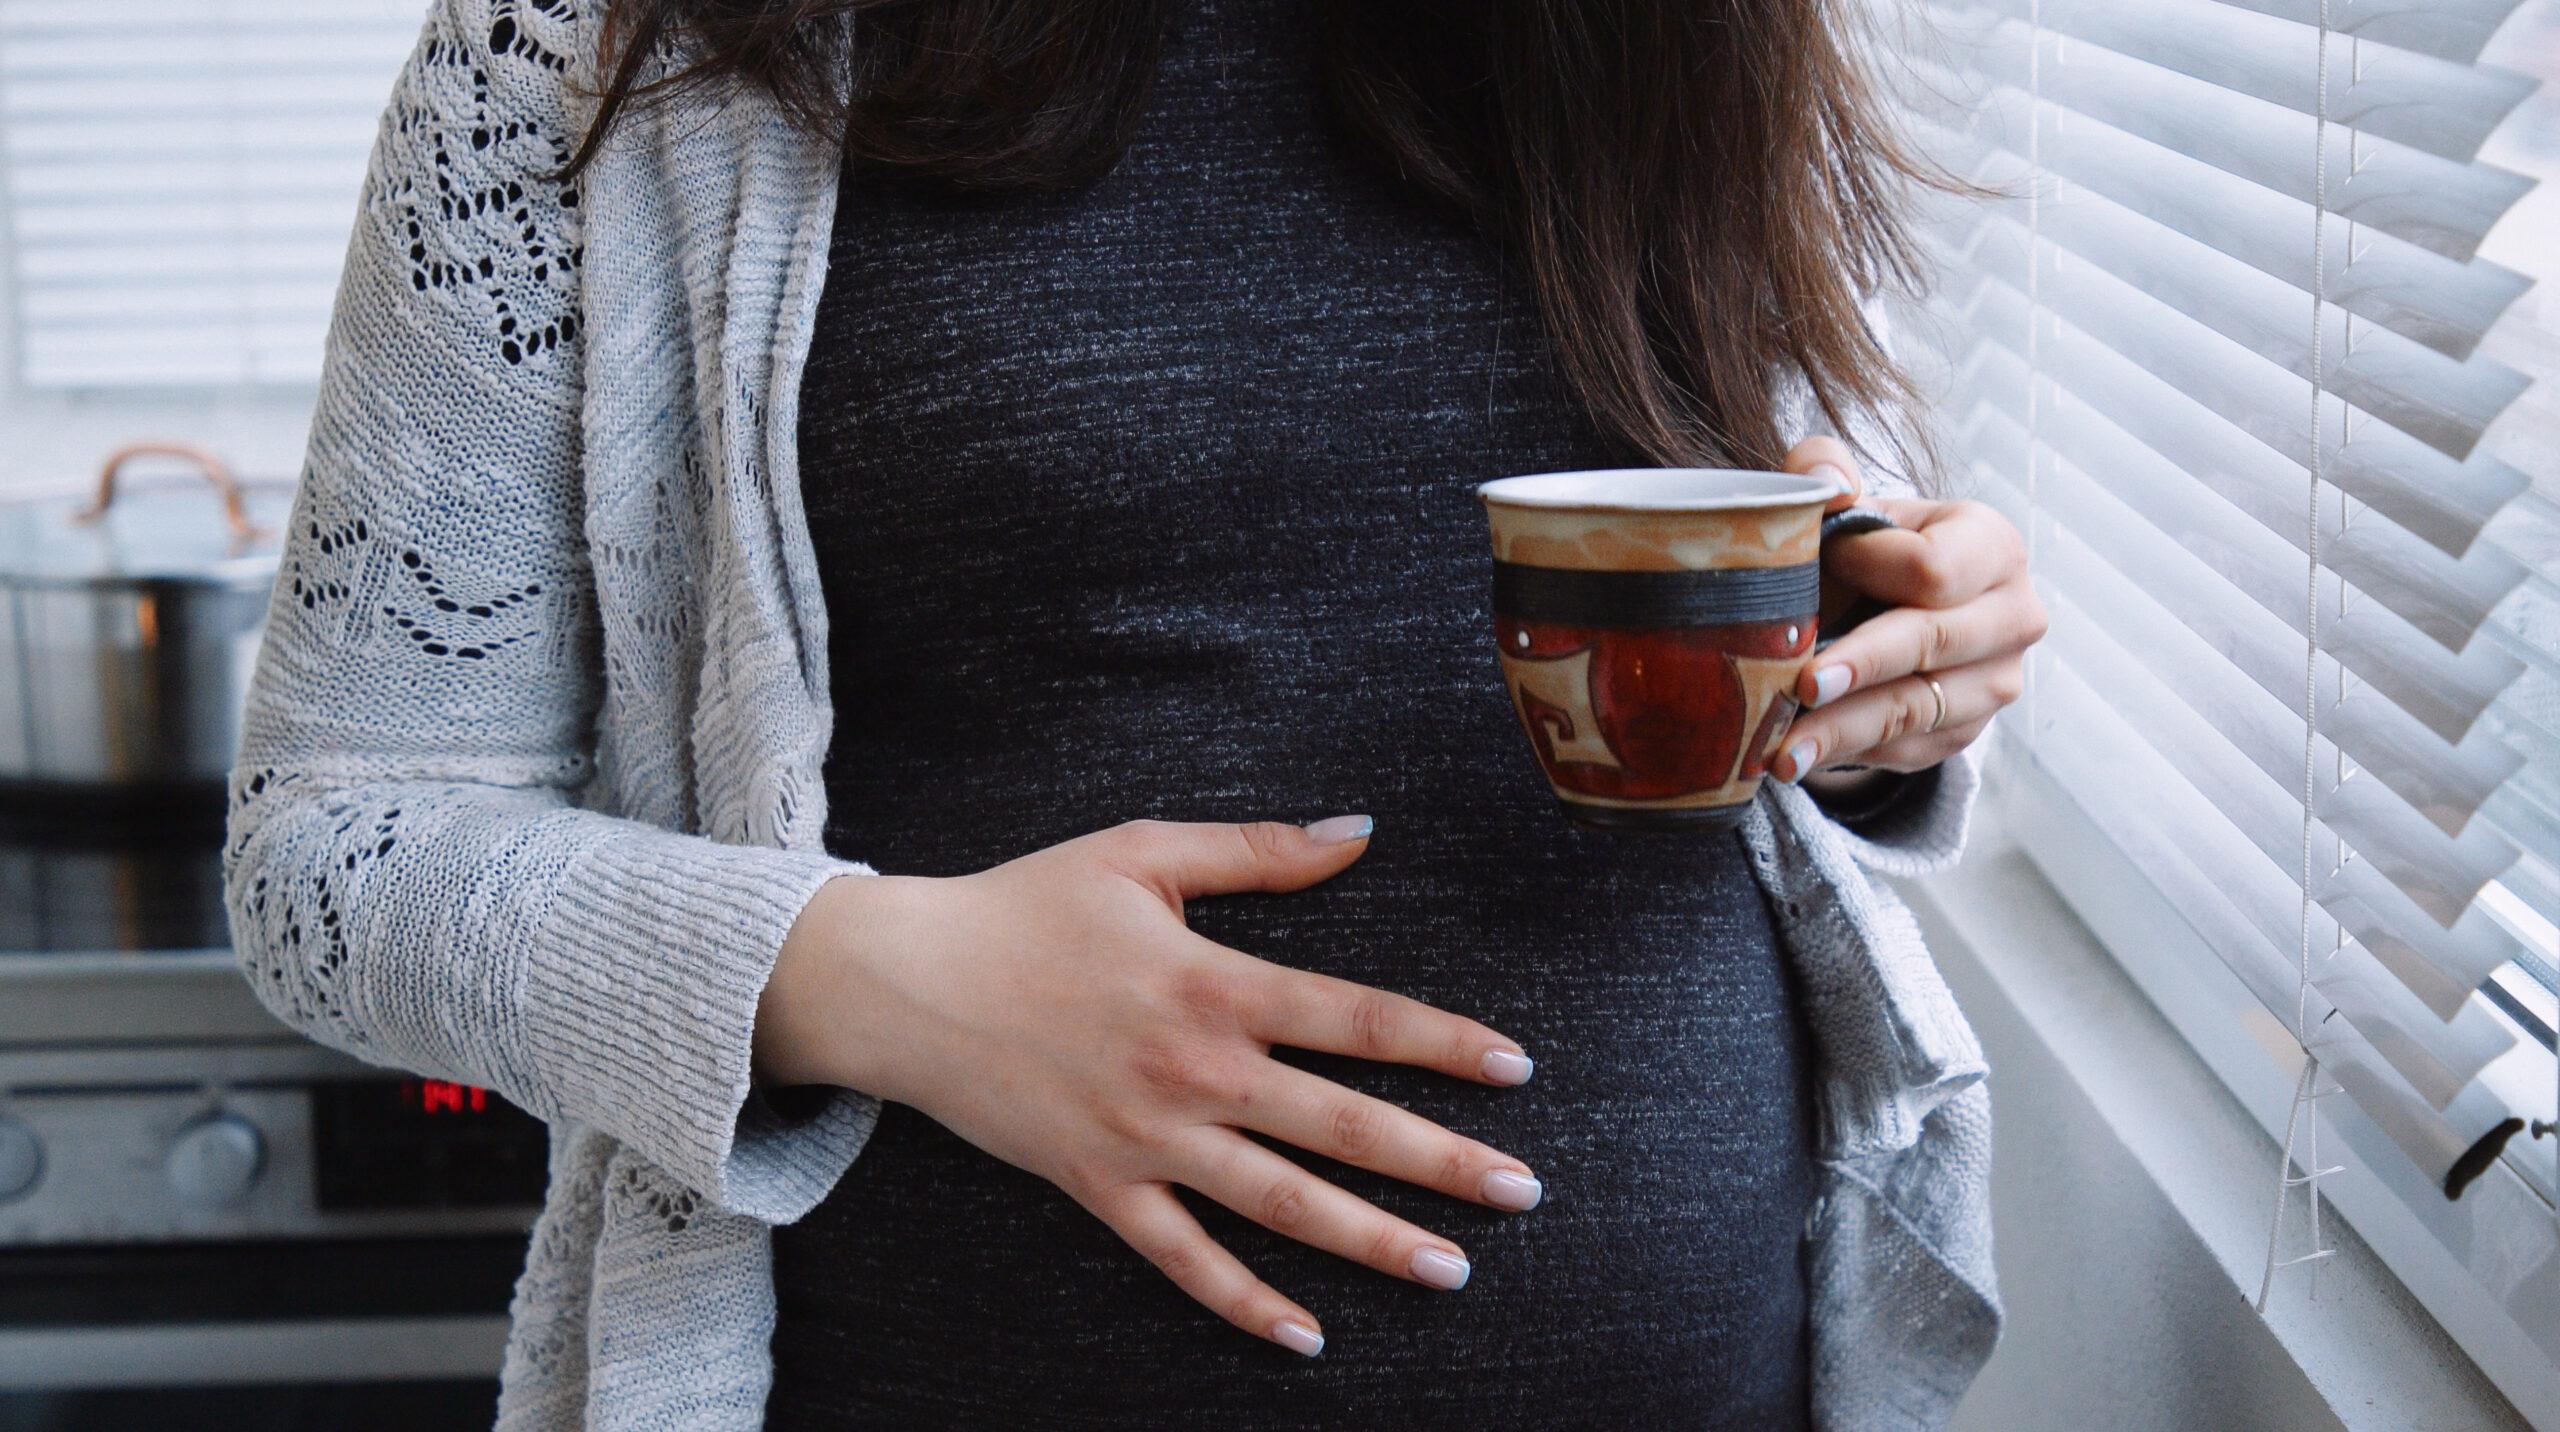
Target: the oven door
pixel 313 1335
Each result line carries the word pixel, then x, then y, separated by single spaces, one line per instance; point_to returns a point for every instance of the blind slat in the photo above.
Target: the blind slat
pixel 2441 965
pixel 2189 373
pixel 2441 499
pixel 2443 402
pixel 2186 850
pixel 2437 203
pixel 2445 783
pixel 2232 515
pixel 2415 292
pixel 2444 107
pixel 2526 822
pixel 2447 29
pixel 2439 873
pixel 101 70
pixel 2531 801
pixel 2226 718
pixel 2445 690
pixel 2436 1057
pixel 2537 885
pixel 2473 947
pixel 82 16
pixel 2420 679
pixel 181 178
pixel 2440 869
pixel 177 273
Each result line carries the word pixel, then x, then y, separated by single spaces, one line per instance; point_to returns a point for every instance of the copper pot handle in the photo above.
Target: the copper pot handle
pixel 235 511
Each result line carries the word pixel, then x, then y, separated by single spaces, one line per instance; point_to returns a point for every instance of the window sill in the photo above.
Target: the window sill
pixel 2132 1189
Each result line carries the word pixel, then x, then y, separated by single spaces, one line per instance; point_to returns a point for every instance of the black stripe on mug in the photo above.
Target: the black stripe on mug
pixel 1650 601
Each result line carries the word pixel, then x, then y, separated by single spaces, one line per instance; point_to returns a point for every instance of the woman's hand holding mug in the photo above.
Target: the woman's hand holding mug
pixel 1919 682
pixel 1056 1012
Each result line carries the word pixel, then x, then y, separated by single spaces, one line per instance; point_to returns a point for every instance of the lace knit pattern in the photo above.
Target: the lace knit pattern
pixel 528 791
pixel 483 714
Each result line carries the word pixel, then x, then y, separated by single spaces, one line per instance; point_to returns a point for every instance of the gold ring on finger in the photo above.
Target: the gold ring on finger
pixel 1939 694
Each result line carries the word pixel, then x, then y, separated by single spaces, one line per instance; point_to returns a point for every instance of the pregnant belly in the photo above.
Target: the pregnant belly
pixel 1659 1285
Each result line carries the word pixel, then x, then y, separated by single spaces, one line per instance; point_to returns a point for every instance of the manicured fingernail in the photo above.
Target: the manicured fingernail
pixel 1515 1191
pixel 1800 755
pixel 1298 1338
pixel 1336 830
pixel 1830 473
pixel 1830 684
pixel 1504 1067
pixel 1441 1270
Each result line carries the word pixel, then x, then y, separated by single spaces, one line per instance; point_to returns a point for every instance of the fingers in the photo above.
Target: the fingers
pixel 1294 1203
pixel 1309 1011
pixel 1903 640
pixel 1942 555
pixel 1830 458
pixel 1892 725
pixel 1179 860
pixel 1150 1219
pixel 1322 1117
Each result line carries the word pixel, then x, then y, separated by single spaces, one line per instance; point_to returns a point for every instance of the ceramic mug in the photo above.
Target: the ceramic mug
pixel 1652 622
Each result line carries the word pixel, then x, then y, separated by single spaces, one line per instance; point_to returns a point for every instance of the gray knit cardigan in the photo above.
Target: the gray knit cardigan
pixel 529 788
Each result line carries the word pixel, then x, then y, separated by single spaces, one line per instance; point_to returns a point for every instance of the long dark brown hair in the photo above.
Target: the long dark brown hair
pixel 1700 192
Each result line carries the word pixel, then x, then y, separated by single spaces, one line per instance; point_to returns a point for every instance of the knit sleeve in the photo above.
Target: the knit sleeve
pixel 1922 829
pixel 409 873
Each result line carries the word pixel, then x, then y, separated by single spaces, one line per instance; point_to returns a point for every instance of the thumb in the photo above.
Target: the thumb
pixel 1830 459
pixel 1180 861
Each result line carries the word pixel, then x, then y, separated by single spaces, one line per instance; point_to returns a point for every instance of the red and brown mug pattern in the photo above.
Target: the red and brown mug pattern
pixel 1651 624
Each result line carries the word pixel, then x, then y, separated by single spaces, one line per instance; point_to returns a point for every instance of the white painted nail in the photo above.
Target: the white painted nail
pixel 1446 1271
pixel 1830 473
pixel 1517 1192
pixel 1298 1338
pixel 1830 684
pixel 1501 1066
pixel 1802 754
pixel 1337 829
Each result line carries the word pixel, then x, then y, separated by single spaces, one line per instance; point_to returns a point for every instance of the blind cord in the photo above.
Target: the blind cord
pixel 2036 180
pixel 2306 1087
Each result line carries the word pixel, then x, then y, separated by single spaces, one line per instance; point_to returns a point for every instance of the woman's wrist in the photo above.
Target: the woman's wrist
pixel 1851 796
pixel 801 1034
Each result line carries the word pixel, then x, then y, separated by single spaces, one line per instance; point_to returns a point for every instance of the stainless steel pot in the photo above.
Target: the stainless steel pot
pixel 128 626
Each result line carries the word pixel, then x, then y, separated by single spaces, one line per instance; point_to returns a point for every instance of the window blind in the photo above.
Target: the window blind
pixel 2238 252
pixel 181 177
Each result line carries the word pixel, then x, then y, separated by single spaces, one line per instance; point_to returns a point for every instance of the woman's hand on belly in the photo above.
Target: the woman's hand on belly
pixel 1915 684
pixel 1056 1012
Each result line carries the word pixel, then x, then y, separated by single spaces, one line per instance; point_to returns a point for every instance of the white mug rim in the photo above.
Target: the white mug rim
pixel 1657 489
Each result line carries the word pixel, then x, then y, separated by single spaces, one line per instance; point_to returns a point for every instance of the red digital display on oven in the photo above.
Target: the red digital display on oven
pixel 422 1143
pixel 437 1096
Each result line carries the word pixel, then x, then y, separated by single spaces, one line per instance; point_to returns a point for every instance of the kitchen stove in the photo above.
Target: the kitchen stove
pixel 160 1132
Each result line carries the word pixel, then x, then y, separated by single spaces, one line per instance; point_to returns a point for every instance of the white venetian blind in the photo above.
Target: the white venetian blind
pixel 2236 260
pixel 181 177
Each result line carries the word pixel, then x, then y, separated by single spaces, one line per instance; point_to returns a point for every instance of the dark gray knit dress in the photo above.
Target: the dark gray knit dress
pixel 1153 499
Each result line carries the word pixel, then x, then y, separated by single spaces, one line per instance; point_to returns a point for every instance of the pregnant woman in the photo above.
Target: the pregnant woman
pixel 1026 447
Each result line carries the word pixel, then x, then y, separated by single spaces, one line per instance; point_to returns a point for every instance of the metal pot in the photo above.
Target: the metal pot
pixel 128 626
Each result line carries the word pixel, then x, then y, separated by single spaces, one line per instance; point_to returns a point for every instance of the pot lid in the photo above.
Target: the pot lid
pixel 207 528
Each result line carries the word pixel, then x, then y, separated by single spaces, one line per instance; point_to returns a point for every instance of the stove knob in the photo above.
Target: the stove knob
pixel 21 1159
pixel 216 1162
